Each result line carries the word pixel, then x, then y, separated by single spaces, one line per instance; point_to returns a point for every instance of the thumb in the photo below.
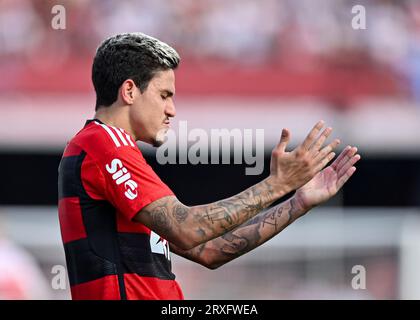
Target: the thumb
pixel 284 140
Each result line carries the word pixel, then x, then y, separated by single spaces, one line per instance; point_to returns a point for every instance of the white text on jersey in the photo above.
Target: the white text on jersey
pixel 121 175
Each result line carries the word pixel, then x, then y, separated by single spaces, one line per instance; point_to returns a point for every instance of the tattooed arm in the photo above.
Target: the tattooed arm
pixel 269 223
pixel 187 227
pixel 194 225
pixel 246 237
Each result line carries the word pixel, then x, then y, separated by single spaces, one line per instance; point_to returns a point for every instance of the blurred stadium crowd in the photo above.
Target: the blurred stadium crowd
pixel 297 36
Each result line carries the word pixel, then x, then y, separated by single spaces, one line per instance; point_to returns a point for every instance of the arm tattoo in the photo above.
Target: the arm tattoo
pixel 170 218
pixel 160 216
pixel 247 236
pixel 222 216
pixel 233 244
pixel 180 213
pixel 201 233
pixel 258 230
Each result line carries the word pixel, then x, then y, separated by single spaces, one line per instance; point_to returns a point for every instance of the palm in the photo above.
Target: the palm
pixel 329 181
pixel 322 187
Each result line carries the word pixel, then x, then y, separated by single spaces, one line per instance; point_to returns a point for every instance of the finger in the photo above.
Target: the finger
pixel 346 158
pixel 352 161
pixel 284 140
pixel 318 143
pixel 345 177
pixel 321 165
pixel 310 138
pixel 326 150
pixel 340 157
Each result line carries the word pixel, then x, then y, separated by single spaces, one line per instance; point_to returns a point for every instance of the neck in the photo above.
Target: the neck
pixel 116 116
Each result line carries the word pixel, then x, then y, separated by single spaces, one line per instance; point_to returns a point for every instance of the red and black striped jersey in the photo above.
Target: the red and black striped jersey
pixel 103 182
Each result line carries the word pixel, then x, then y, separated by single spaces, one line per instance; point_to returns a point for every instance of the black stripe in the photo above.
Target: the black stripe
pixel 69 181
pixel 100 224
pixel 100 221
pixel 83 265
pixel 99 218
pixel 138 258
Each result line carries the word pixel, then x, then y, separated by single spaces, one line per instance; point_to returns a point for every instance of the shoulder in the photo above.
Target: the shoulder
pixel 101 141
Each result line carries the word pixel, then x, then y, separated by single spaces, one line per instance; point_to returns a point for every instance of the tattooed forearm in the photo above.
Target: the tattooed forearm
pixel 234 244
pixel 272 217
pixel 223 216
pixel 191 226
pixel 247 236
pixel 256 231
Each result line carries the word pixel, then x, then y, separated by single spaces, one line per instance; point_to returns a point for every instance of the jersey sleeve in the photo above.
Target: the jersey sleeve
pixel 130 183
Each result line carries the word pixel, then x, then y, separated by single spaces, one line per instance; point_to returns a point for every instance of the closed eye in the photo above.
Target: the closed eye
pixel 165 94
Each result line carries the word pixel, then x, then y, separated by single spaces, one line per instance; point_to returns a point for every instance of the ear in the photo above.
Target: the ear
pixel 129 91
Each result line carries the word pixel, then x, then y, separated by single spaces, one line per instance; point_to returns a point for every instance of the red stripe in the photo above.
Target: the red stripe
pixel 105 288
pixel 71 222
pixel 72 150
pixel 148 288
pixel 125 225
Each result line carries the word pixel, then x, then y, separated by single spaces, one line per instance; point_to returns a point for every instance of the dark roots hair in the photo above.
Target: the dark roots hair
pixel 125 56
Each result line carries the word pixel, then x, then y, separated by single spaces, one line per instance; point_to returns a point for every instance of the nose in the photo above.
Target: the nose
pixel 170 110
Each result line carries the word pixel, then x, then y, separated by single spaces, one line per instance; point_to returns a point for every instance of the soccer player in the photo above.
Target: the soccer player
pixel 119 221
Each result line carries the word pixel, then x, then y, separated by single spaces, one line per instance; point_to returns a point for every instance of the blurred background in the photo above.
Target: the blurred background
pixel 246 64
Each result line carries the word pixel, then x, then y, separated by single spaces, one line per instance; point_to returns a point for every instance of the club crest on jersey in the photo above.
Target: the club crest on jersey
pixel 121 175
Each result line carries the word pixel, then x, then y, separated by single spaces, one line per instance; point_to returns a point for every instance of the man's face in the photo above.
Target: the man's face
pixel 151 111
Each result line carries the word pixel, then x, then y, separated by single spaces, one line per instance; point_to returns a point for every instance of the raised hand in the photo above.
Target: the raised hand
pixel 329 181
pixel 291 170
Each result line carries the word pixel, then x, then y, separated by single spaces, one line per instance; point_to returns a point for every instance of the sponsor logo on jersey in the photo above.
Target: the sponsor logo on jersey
pixel 121 175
